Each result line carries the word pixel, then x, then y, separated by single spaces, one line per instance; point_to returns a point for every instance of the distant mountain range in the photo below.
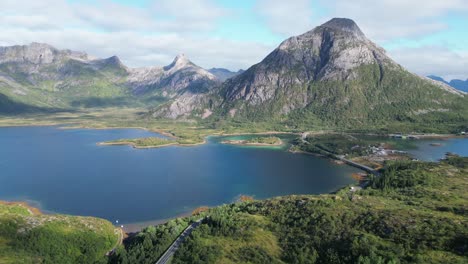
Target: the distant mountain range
pixel 224 74
pixel 330 76
pixel 39 76
pixel 457 84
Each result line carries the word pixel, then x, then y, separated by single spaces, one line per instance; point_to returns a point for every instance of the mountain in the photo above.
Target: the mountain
pixel 460 85
pixel 457 84
pixel 437 78
pixel 43 76
pixel 224 74
pixel 40 77
pixel 332 75
pixel 179 75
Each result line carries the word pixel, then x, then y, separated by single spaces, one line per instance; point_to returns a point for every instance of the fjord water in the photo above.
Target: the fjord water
pixel 65 171
pixel 435 149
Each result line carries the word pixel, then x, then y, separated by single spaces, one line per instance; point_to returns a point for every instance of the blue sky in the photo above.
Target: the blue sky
pixel 427 37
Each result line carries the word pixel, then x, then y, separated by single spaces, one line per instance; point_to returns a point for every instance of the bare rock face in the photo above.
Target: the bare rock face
pixel 38 53
pixel 332 73
pixel 179 75
pixel 38 62
pixel 328 52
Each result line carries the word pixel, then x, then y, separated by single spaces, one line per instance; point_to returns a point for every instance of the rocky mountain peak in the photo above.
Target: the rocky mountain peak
pixel 181 58
pixel 343 24
pixel 180 61
pixel 114 60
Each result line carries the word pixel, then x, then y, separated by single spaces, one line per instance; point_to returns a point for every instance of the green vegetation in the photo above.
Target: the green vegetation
pixel 415 212
pixel 378 100
pixel 149 142
pixel 256 141
pixel 29 237
pixel 349 144
pixel 149 244
pixel 264 140
pixel 338 144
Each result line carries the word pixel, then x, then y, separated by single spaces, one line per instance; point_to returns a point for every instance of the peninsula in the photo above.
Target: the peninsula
pixel 257 141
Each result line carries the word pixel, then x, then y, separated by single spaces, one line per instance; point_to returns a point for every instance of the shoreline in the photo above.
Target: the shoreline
pixel 136 227
pixel 256 133
pixel 221 134
pixel 133 145
pixel 164 133
pixel 33 210
pixel 243 143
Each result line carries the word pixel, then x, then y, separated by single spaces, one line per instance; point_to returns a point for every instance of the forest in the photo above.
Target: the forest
pixel 415 212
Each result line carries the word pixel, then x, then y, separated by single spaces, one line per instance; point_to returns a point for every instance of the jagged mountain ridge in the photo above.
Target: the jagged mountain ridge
pixel 224 74
pixel 180 74
pixel 41 75
pixel 455 83
pixel 332 75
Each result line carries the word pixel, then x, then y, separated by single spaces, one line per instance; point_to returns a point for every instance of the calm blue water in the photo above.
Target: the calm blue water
pixel 65 171
pixel 425 151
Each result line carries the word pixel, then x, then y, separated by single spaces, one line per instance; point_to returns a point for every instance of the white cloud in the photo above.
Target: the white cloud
pixel 154 34
pixel 429 60
pixel 111 16
pixel 286 17
pixel 386 20
pixel 145 50
pixel 139 36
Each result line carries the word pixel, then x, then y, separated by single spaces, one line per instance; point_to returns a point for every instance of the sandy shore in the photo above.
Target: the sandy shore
pixel 136 227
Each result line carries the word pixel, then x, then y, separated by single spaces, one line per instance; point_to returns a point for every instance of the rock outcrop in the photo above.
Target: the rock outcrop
pixel 181 74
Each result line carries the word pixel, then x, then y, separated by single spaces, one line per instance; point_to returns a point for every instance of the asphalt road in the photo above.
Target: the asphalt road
pixel 176 244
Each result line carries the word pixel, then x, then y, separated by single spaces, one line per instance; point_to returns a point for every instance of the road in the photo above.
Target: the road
pixel 176 244
pixel 342 158
pixel 118 242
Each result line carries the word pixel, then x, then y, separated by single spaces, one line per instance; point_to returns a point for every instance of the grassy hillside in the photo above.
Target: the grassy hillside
pixel 378 98
pixel 26 236
pixel 415 213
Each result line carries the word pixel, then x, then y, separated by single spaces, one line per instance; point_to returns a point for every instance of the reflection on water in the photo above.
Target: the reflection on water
pixel 65 171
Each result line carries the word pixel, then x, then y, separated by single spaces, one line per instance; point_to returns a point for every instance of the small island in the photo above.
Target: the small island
pixel 149 142
pixel 257 141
